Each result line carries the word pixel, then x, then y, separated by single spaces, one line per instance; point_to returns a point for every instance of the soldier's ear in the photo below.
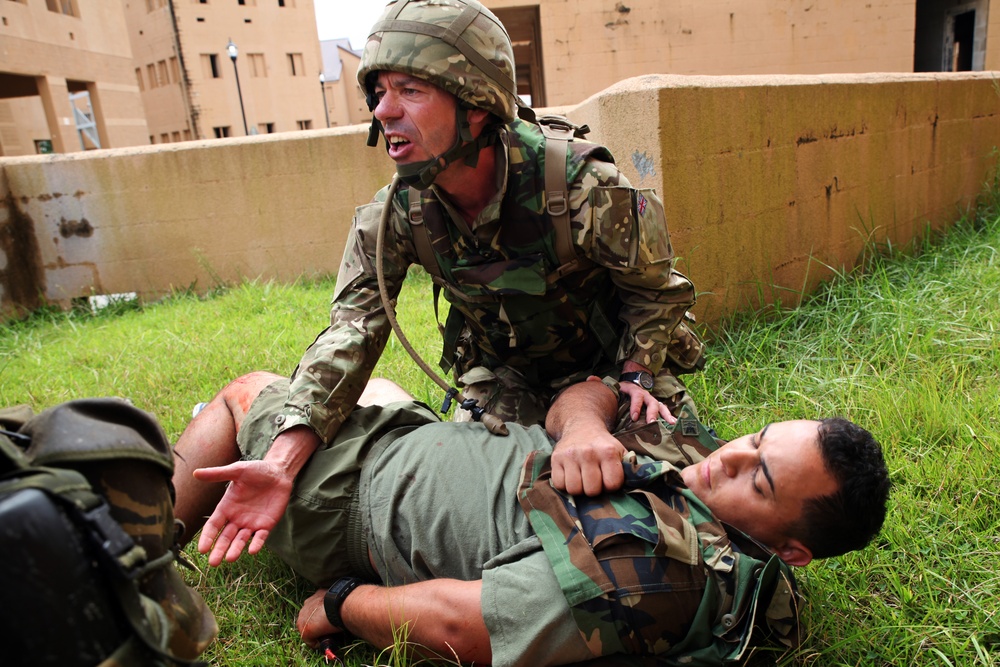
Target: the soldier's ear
pixel 794 553
pixel 477 116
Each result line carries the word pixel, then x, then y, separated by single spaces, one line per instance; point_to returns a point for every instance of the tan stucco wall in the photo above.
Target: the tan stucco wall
pixel 765 180
pixel 588 45
pixel 769 180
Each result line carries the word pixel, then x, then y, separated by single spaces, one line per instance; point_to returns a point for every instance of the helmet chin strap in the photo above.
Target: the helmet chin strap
pixel 421 175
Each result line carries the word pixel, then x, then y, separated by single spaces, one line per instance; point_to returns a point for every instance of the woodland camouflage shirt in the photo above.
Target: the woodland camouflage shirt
pixel 648 571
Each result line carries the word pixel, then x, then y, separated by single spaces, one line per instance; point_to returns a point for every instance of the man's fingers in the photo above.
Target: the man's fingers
pixel 209 532
pixel 573 480
pixel 258 542
pixel 217 474
pixel 666 414
pixel 613 474
pixel 636 401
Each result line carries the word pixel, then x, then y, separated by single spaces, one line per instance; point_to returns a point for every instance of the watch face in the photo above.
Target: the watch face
pixel 641 378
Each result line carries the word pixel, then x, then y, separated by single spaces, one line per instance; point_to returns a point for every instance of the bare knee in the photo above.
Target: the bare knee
pixel 380 391
pixel 239 394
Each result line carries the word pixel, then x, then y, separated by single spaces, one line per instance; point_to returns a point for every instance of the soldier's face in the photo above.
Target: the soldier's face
pixel 760 482
pixel 418 117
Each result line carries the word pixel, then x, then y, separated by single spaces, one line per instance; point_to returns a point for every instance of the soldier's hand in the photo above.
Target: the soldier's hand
pixel 253 503
pixel 312 622
pixel 588 464
pixel 640 398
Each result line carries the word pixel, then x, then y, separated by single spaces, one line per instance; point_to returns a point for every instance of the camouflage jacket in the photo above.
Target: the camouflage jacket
pixel 508 307
pixel 648 571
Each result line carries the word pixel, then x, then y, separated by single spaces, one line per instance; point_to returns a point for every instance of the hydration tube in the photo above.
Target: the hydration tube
pixel 492 422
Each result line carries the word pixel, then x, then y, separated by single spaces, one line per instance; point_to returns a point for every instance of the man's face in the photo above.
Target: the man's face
pixel 760 482
pixel 418 117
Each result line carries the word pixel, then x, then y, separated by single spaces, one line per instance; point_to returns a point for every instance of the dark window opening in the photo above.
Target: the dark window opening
pixel 964 34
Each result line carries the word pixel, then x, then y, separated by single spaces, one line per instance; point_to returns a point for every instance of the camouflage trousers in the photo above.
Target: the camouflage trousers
pixel 506 393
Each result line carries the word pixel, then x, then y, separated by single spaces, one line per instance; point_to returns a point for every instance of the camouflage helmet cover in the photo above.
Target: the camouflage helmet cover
pixel 458 45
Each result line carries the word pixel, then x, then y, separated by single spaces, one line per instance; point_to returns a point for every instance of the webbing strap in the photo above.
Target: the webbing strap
pixel 421 237
pixel 452 35
pixel 557 138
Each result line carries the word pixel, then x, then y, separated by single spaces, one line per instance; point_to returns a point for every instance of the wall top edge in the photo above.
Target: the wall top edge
pixel 179 147
pixel 652 81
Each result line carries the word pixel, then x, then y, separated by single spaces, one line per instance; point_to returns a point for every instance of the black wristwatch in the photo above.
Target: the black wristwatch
pixel 335 597
pixel 641 378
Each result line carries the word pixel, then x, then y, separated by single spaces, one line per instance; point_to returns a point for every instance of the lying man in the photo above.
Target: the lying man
pixel 459 541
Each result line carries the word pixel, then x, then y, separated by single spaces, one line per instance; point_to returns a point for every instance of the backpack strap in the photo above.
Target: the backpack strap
pixel 558 132
pixel 421 237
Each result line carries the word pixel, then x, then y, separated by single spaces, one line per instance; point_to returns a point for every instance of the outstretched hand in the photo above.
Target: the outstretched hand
pixel 255 500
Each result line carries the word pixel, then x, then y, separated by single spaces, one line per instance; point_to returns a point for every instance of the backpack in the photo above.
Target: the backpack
pixel 88 544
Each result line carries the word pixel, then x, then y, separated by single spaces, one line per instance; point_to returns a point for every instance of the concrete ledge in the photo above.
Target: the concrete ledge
pixel 766 180
pixel 774 180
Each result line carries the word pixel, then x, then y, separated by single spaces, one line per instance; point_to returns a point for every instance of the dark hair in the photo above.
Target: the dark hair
pixel 852 516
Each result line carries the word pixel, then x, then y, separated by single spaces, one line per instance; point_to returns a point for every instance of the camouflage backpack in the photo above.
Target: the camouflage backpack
pixel 88 540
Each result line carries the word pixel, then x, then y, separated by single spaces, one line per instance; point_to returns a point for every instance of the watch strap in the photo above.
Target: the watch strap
pixel 637 377
pixel 333 601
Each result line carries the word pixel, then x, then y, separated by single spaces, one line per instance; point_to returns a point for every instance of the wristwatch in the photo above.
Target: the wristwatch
pixel 335 597
pixel 641 378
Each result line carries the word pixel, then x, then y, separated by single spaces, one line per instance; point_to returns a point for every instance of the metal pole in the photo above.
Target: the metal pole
pixel 232 55
pixel 322 89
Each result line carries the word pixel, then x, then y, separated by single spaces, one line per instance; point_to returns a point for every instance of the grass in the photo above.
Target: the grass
pixel 909 346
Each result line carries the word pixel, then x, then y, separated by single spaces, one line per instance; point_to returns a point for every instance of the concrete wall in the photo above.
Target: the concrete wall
pixel 588 45
pixel 766 180
pixel 769 180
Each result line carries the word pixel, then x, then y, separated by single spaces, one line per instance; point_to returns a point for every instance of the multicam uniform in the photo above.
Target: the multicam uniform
pixel 521 325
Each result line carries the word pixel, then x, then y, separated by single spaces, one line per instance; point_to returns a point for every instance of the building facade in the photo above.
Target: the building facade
pixel 66 78
pixel 345 101
pixel 225 68
pixel 567 50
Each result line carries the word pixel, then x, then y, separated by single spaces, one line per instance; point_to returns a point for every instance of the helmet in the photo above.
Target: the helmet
pixel 458 45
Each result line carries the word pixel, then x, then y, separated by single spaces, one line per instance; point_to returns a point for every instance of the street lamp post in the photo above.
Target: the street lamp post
pixel 322 89
pixel 233 52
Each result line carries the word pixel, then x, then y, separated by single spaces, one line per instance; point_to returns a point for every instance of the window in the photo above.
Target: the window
pixel 286 3
pixel 138 77
pixel 295 64
pixel 210 66
pixel 304 124
pixel 152 139
pixel 67 7
pixel 165 138
pixel 265 128
pixel 151 75
pixel 161 73
pixel 258 67
pixel 175 70
pixel 187 135
pixel 221 132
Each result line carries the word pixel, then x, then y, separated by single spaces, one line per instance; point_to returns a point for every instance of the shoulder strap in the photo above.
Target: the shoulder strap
pixel 421 237
pixel 558 132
